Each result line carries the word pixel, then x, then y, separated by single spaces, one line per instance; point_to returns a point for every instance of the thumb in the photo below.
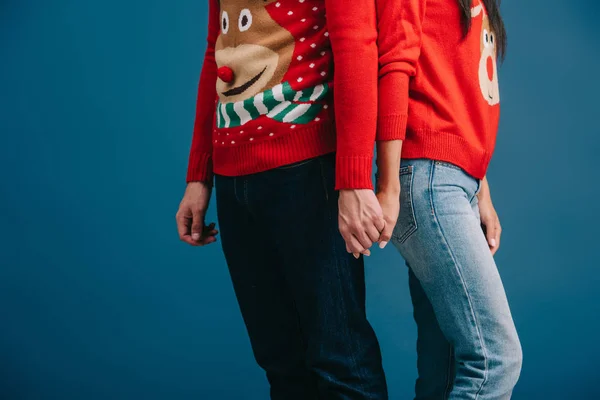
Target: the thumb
pixel 386 235
pixel 197 224
pixel 490 234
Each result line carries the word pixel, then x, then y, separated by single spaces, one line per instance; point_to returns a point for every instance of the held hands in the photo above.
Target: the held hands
pixel 190 216
pixel 362 221
pixel 390 205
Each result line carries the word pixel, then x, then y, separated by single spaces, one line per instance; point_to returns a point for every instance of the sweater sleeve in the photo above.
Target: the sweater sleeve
pixel 399 45
pixel 352 29
pixel 200 160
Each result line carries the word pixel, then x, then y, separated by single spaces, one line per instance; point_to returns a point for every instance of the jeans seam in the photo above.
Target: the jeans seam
pixel 354 363
pixel 448 374
pixel 406 235
pixel 235 190
pixel 344 308
pixel 246 202
pixel 477 190
pixel 432 166
pixel 298 321
pixel 449 165
pixel 323 179
pixel 458 271
pixel 296 164
pixel 338 275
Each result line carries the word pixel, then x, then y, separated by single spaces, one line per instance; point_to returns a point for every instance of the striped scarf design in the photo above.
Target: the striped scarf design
pixel 281 103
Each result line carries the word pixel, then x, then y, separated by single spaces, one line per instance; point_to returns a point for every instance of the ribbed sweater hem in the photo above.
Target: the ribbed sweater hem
pixel 269 153
pixel 447 147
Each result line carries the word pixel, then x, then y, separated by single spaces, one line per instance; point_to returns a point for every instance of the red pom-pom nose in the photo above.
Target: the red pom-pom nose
pixel 225 74
pixel 490 68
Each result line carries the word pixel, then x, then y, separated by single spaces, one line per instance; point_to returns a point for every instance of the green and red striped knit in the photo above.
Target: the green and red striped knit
pixel 265 97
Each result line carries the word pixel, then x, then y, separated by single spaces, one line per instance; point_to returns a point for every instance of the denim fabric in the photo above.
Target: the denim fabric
pixel 467 344
pixel 302 296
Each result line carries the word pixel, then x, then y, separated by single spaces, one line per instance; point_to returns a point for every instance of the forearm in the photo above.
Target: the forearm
pixel 484 191
pixel 200 160
pixel 389 153
pixel 399 48
pixel 353 35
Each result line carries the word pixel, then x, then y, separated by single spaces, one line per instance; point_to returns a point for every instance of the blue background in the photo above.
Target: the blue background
pixel 99 299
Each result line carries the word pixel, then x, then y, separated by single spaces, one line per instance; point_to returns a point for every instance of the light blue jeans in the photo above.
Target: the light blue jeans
pixel 467 343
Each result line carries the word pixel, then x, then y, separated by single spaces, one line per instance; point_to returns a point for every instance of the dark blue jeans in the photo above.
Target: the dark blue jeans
pixel 302 296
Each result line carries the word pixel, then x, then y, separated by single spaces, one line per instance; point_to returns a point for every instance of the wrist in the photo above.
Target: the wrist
pixel 205 185
pixel 388 184
pixel 484 194
pixel 388 188
pixel 484 197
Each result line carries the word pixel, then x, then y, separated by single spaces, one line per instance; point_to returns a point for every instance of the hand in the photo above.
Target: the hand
pixel 390 205
pixel 360 220
pixel 190 216
pixel 489 219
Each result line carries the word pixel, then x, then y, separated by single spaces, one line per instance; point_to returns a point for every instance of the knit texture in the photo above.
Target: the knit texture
pixel 444 84
pixel 282 104
pixel 266 94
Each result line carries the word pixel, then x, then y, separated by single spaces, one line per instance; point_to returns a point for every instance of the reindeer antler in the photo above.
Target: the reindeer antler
pixel 475 11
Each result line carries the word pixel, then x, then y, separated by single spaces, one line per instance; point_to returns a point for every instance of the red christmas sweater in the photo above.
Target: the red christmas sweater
pixel 265 97
pixel 440 87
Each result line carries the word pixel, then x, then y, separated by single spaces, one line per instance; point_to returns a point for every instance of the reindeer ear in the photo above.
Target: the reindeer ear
pixel 475 11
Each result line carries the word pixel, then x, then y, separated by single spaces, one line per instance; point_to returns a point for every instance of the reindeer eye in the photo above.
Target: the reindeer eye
pixel 491 38
pixel 486 38
pixel 245 20
pixel 225 22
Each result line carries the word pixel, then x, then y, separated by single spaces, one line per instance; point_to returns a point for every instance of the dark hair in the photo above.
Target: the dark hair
pixel 496 22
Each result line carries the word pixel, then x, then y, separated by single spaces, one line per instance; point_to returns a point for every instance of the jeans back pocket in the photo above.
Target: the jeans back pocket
pixel 407 223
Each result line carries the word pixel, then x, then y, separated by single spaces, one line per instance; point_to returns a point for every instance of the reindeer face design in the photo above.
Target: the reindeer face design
pixel 488 72
pixel 253 52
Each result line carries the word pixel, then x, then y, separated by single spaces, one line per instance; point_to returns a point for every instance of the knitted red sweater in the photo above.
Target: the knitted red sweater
pixel 443 85
pixel 266 99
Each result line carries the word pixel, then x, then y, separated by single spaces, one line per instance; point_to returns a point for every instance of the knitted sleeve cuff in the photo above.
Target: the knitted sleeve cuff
pixel 392 106
pixel 200 168
pixel 391 127
pixel 354 172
